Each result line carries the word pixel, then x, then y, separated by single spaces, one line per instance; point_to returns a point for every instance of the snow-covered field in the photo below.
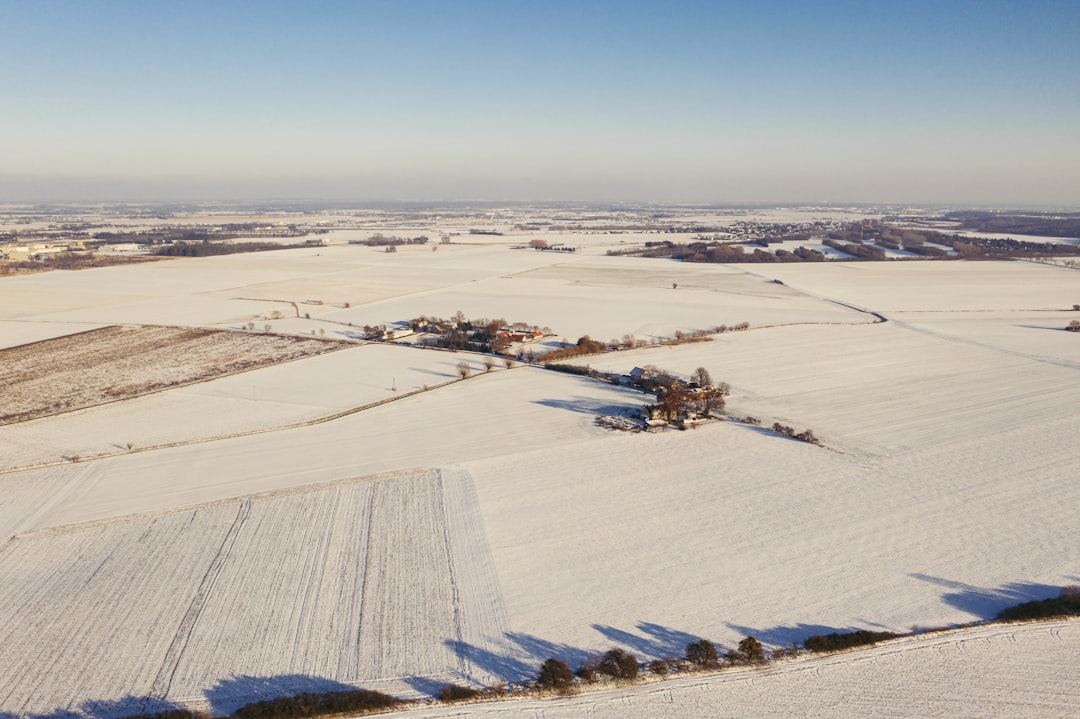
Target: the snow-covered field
pixel 471 531
pixel 172 605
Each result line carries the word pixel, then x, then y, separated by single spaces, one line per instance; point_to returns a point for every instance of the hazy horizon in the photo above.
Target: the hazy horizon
pixel 955 103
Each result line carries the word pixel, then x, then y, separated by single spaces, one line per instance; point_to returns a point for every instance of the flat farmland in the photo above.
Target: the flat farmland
pixel 877 389
pixel 269 532
pixel 527 408
pixel 609 297
pixel 262 398
pixel 327 584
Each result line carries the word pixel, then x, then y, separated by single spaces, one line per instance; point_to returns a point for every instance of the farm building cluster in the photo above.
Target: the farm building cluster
pixel 458 333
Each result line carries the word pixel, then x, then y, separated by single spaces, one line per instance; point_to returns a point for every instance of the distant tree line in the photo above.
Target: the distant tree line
pixel 70 261
pixel 1028 223
pixel 586 345
pixel 199 233
pixel 207 248
pixel 381 240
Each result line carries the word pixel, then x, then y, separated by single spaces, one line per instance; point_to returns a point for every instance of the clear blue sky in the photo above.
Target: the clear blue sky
pixel 947 101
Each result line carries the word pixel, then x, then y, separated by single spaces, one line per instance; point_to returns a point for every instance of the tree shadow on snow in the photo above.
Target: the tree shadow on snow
pixel 1037 327
pixel 349 334
pixel 788 636
pixel 428 686
pixel 988 603
pixel 658 641
pixel 424 370
pixel 228 695
pixel 127 706
pixel 105 709
pixel 519 656
pixel 585 405
pixel 58 714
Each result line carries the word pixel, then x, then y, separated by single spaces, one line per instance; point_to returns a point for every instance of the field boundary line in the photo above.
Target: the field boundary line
pixel 245 433
pixel 252 497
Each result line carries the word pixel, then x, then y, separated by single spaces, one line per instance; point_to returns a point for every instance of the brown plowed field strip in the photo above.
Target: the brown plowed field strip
pixel 119 362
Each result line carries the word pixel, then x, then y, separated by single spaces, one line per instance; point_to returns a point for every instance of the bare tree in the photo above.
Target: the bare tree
pixel 702 377
pixel 489 362
pixel 715 401
pixel 464 369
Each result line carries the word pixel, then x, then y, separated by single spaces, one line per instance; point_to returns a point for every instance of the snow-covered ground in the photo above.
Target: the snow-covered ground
pixel 14 333
pixel 1019 671
pixel 469 532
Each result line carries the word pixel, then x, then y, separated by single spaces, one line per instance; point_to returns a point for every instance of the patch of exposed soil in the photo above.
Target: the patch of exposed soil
pixel 119 362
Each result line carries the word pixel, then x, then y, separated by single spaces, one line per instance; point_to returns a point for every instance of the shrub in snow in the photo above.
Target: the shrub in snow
pixel 589 669
pixel 309 704
pixel 555 674
pixel 845 640
pixel 751 650
pixel 457 693
pixel 619 664
pixel 702 653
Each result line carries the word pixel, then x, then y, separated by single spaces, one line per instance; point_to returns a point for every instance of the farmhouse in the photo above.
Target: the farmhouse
pixel 519 336
pixel 651 379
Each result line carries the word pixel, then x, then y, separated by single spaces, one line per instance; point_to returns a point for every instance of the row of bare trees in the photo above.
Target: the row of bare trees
pixel 619 665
